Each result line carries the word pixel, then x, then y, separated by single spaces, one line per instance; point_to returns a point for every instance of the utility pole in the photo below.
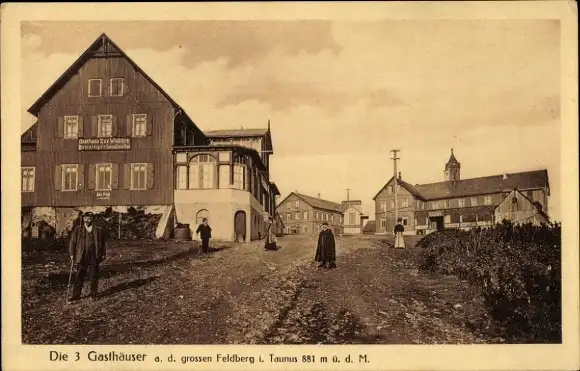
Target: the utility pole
pixel 347 194
pixel 395 187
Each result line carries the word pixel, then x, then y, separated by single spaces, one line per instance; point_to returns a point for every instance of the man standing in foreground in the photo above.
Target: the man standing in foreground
pixel 204 230
pixel 326 248
pixel 87 249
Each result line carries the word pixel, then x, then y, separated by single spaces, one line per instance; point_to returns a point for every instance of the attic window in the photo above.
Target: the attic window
pixel 95 87
pixel 116 87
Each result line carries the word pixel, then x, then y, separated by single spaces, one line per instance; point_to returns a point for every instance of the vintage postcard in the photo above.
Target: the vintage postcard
pixel 290 186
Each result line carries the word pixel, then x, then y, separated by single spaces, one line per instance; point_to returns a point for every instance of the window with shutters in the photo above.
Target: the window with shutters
pixel 27 179
pixel 316 216
pixel 71 127
pixel 116 87
pixel 138 176
pixel 202 170
pixel 69 177
pixel 139 125
pixel 104 177
pixel 95 87
pixel 181 182
pixel 105 125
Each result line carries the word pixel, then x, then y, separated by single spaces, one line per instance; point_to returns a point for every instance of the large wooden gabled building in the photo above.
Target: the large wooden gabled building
pixel 455 202
pixel 108 136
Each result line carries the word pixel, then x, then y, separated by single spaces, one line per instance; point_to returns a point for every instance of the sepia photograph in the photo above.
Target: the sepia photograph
pixel 309 181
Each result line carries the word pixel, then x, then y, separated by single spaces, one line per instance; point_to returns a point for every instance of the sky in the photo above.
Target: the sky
pixel 340 95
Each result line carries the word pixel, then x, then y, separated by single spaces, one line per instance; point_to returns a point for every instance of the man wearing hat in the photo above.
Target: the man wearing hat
pixel 326 248
pixel 87 249
pixel 204 230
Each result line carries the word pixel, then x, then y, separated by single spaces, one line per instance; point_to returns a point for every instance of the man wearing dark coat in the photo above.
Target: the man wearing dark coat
pixel 204 230
pixel 87 249
pixel 326 248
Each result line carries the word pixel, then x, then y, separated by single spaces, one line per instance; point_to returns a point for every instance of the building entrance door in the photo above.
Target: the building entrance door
pixel 240 225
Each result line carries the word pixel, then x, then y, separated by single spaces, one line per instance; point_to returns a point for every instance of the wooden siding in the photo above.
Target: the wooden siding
pixel 72 99
pixel 312 221
pixel 521 212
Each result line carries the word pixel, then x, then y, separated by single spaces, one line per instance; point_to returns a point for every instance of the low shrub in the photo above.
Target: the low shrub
pixel 518 269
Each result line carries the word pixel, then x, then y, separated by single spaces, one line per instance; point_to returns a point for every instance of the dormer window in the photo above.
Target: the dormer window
pixel 95 88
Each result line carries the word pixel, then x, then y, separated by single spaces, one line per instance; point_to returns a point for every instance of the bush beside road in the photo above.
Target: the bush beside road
pixel 168 293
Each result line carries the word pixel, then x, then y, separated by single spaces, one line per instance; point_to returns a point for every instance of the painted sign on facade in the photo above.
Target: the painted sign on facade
pixel 104 144
pixel 104 195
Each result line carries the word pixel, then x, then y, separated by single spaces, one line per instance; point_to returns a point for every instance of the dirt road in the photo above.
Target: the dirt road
pixel 242 294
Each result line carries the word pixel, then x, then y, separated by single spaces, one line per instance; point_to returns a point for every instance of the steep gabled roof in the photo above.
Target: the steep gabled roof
pixel 536 205
pixel 484 185
pixel 411 189
pixel 316 203
pixel 85 56
pixel 319 203
pixel 476 186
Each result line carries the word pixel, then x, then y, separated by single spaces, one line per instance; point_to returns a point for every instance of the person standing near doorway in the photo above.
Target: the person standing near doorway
pixel 87 249
pixel 326 248
pixel 204 231
pixel 399 229
pixel 270 241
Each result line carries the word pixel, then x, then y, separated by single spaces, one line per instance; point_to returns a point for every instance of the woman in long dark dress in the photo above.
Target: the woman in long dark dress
pixel 270 241
pixel 326 248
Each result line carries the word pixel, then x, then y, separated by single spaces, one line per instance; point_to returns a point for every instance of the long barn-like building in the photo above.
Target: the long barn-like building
pixel 108 136
pixel 462 203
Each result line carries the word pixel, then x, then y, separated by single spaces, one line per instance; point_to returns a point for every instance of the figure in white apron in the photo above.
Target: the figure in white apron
pixel 399 229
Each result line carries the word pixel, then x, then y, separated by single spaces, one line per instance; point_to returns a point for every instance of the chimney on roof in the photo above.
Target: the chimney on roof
pixel 319 195
pixel 399 175
pixel 505 176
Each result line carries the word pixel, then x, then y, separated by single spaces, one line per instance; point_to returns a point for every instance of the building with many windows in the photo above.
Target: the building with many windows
pixel 458 203
pixel 107 136
pixel 304 214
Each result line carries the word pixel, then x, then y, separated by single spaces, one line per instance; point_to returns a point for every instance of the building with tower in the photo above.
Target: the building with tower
pixel 462 203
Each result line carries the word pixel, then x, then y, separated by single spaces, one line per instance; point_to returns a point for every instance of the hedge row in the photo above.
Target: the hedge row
pixel 518 269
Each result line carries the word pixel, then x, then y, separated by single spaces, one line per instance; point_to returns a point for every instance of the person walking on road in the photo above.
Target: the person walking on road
pixel 204 230
pixel 326 248
pixel 399 229
pixel 87 249
pixel 270 240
